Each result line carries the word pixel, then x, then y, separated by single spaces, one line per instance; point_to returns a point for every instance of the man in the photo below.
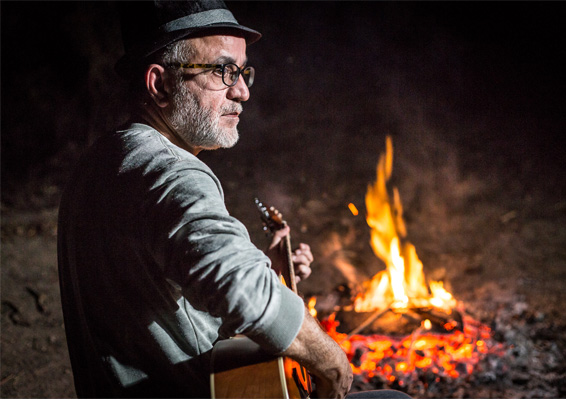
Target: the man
pixel 153 269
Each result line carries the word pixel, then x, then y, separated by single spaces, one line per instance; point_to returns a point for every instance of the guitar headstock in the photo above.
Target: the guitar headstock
pixel 270 216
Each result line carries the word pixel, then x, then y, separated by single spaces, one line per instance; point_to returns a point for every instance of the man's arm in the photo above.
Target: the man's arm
pixel 323 358
pixel 312 347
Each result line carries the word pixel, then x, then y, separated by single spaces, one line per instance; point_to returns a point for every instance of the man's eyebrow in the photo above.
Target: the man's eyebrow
pixel 228 60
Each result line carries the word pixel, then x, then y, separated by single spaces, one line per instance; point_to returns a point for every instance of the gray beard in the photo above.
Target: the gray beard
pixel 197 125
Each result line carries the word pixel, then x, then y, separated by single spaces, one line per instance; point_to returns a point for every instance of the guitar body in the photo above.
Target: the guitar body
pixel 242 370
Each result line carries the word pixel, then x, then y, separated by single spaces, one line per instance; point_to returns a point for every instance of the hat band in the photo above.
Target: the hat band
pixel 199 20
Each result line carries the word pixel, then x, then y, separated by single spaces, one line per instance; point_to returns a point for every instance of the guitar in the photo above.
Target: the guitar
pixel 240 368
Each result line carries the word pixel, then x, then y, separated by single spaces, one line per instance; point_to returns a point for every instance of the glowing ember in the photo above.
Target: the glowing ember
pixel 397 359
pixel 353 209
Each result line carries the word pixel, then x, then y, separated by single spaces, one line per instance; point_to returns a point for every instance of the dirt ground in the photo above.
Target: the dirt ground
pixel 476 109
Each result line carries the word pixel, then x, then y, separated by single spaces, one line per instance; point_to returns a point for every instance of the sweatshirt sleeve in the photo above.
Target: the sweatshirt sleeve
pixel 197 244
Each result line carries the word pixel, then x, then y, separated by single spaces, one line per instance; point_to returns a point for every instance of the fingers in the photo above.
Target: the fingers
pixel 305 250
pixel 331 390
pixel 337 385
pixel 302 258
pixel 302 272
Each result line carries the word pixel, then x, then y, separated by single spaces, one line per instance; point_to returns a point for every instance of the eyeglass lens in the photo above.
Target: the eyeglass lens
pixel 232 72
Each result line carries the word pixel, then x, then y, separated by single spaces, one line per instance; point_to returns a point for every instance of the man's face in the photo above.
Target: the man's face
pixel 204 111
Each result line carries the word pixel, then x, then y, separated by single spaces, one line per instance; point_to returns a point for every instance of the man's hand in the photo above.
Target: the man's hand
pixel 302 259
pixel 302 256
pixel 323 358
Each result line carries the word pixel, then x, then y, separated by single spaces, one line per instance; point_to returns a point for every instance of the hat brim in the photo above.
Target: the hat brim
pixel 127 63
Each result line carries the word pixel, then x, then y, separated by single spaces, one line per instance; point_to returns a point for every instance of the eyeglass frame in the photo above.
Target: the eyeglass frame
pixel 241 71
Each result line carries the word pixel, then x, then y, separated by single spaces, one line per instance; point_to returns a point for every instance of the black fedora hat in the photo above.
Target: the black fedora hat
pixel 148 26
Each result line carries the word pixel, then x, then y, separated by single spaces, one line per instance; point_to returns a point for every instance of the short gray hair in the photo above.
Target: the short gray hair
pixel 181 50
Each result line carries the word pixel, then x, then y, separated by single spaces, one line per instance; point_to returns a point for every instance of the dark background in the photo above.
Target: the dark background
pixel 498 61
pixel 473 94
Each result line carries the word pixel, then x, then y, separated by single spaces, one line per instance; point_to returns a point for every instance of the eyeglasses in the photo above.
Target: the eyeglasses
pixel 229 72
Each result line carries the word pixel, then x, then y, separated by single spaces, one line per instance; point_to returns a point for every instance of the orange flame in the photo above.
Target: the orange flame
pixel 402 284
pixel 310 306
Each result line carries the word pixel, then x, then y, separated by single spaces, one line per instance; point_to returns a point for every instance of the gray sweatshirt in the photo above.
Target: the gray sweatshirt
pixel 154 270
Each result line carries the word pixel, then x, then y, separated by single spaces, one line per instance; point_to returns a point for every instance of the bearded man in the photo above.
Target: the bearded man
pixel 153 269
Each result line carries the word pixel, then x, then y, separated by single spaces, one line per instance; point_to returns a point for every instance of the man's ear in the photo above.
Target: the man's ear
pixel 155 84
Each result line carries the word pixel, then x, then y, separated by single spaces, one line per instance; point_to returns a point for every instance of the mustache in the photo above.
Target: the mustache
pixel 232 108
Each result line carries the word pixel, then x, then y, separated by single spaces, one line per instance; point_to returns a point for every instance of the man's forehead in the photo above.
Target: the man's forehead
pixel 215 47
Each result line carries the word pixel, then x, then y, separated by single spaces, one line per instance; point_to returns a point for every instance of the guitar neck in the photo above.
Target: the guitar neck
pixel 273 221
pixel 290 267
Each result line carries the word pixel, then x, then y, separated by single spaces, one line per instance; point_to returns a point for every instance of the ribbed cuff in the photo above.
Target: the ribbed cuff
pixel 280 334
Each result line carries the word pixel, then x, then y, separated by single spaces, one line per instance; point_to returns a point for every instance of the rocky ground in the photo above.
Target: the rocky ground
pixel 478 135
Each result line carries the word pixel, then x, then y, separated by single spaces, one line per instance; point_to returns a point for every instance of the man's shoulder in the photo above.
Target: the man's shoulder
pixel 140 155
pixel 140 142
pixel 140 148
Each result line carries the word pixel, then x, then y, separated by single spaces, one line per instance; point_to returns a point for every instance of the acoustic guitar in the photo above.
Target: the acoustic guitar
pixel 241 369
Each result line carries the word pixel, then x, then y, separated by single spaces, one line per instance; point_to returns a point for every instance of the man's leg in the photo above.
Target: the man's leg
pixel 378 394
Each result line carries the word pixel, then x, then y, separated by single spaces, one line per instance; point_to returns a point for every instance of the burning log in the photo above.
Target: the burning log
pixel 372 318
pixel 398 322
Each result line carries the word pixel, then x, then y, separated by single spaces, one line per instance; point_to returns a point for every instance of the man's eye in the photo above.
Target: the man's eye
pixel 218 71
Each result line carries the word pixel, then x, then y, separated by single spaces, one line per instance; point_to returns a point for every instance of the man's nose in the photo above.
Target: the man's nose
pixel 239 92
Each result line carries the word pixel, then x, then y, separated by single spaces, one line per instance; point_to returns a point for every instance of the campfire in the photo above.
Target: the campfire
pixel 398 329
